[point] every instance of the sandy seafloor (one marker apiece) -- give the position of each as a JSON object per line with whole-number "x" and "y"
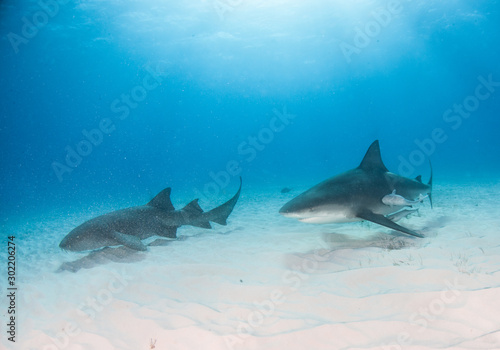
{"x": 268, "y": 282}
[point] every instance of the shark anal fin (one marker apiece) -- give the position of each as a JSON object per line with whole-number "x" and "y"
{"x": 382, "y": 220}
{"x": 129, "y": 241}
{"x": 162, "y": 200}
{"x": 202, "y": 224}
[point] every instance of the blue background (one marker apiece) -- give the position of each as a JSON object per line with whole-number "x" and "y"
{"x": 222, "y": 77}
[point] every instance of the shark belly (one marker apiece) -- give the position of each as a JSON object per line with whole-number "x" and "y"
{"x": 330, "y": 218}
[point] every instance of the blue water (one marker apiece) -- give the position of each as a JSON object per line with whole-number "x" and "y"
{"x": 194, "y": 94}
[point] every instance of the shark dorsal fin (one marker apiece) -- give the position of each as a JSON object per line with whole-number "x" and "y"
{"x": 419, "y": 178}
{"x": 373, "y": 159}
{"x": 193, "y": 208}
{"x": 162, "y": 200}
{"x": 193, "y": 212}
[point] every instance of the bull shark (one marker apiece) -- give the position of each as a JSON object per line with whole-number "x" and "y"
{"x": 127, "y": 227}
{"x": 357, "y": 195}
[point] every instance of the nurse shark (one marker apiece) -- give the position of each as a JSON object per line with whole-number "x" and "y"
{"x": 358, "y": 194}
{"x": 127, "y": 227}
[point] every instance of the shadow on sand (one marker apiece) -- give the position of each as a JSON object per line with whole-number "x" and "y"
{"x": 335, "y": 247}
{"x": 107, "y": 255}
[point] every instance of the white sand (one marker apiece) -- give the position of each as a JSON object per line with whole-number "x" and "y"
{"x": 268, "y": 282}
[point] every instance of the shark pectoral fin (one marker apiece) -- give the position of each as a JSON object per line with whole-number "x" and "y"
{"x": 129, "y": 241}
{"x": 382, "y": 220}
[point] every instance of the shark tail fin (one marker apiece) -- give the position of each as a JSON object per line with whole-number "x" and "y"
{"x": 430, "y": 184}
{"x": 220, "y": 214}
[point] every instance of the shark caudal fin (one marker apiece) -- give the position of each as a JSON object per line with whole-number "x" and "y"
{"x": 430, "y": 184}
{"x": 220, "y": 214}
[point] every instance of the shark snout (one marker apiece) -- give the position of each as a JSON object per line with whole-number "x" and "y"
{"x": 313, "y": 210}
{"x": 290, "y": 214}
{"x": 286, "y": 210}
{"x": 74, "y": 241}
{"x": 65, "y": 244}
{"x": 296, "y": 210}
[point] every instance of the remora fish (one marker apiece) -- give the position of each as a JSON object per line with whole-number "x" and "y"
{"x": 394, "y": 199}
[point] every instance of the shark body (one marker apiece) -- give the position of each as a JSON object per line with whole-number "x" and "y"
{"x": 357, "y": 195}
{"x": 129, "y": 226}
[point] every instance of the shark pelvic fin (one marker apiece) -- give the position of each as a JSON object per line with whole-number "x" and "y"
{"x": 382, "y": 220}
{"x": 162, "y": 200}
{"x": 131, "y": 242}
{"x": 373, "y": 159}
